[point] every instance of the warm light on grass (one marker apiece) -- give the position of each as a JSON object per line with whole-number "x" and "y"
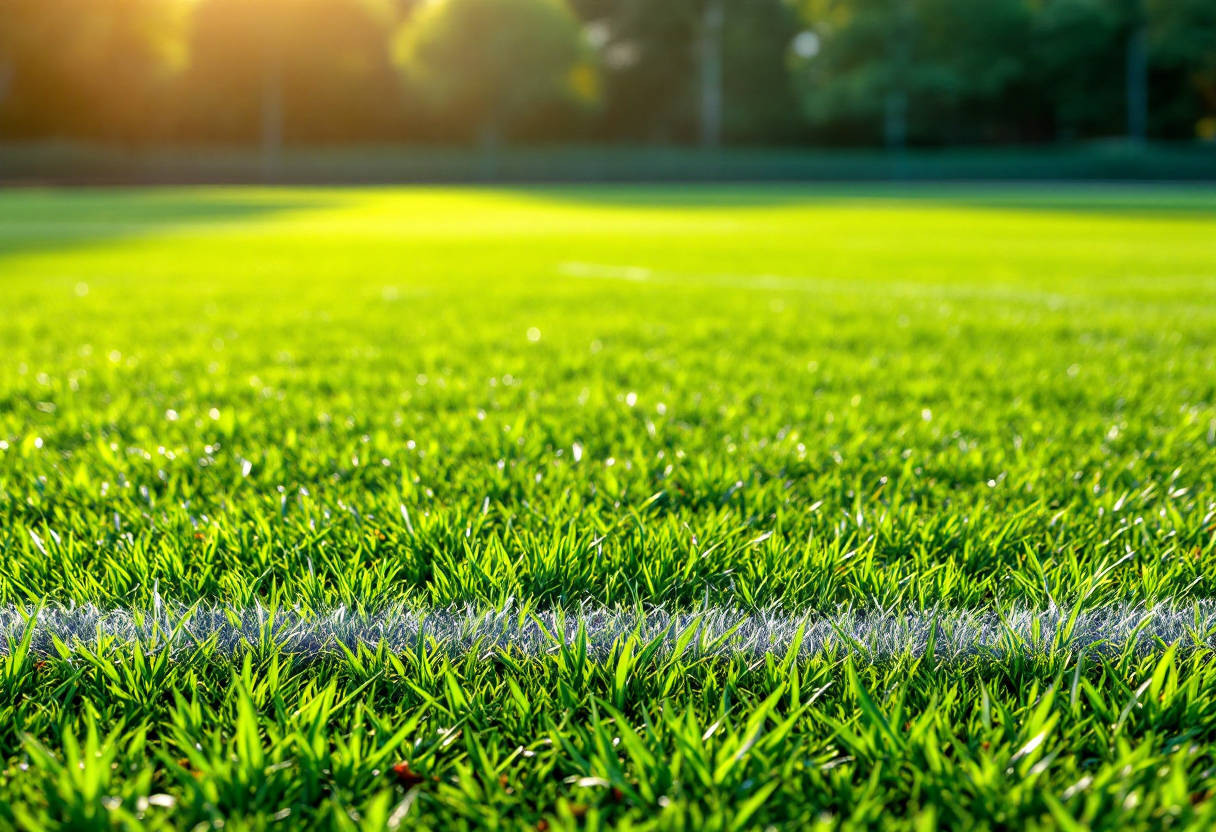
{"x": 898, "y": 435}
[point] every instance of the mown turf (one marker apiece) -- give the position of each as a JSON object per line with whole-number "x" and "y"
{"x": 964, "y": 398}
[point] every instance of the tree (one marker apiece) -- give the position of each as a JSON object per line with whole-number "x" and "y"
{"x": 490, "y": 66}
{"x": 921, "y": 70}
{"x": 673, "y": 68}
{"x": 1000, "y": 70}
{"x": 88, "y": 68}
{"x": 1080, "y": 57}
{"x": 1182, "y": 51}
{"x": 650, "y": 56}
{"x": 295, "y": 71}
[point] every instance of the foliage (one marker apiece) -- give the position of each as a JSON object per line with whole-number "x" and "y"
{"x": 959, "y": 66}
{"x": 1182, "y": 45}
{"x": 650, "y": 57}
{"x": 1079, "y": 56}
{"x": 93, "y": 68}
{"x": 963, "y": 398}
{"x": 326, "y": 61}
{"x": 943, "y": 71}
{"x": 1000, "y": 70}
{"x": 493, "y": 64}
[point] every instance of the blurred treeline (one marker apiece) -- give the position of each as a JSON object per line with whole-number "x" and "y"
{"x": 847, "y": 72}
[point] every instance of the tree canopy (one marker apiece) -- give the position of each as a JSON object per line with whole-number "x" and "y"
{"x": 851, "y": 72}
{"x": 491, "y": 65}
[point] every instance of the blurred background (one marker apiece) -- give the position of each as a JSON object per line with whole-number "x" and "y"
{"x": 267, "y": 77}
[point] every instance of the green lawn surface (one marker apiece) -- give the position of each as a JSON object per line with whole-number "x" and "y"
{"x": 965, "y": 397}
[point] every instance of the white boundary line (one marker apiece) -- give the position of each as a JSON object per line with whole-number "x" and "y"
{"x": 870, "y": 634}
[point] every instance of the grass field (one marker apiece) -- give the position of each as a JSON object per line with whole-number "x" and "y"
{"x": 674, "y": 508}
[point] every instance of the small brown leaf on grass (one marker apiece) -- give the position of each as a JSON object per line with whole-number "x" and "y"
{"x": 542, "y": 826}
{"x": 405, "y": 776}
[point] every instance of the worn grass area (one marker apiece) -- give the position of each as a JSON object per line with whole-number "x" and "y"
{"x": 799, "y": 404}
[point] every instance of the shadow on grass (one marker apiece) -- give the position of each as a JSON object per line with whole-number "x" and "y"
{"x": 52, "y": 219}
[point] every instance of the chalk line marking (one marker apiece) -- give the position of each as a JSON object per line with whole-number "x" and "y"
{"x": 872, "y": 634}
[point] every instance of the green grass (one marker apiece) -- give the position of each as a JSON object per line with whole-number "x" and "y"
{"x": 976, "y": 398}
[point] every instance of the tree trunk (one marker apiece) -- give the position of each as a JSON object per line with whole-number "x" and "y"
{"x": 895, "y": 121}
{"x": 711, "y": 72}
{"x": 488, "y": 139}
{"x": 895, "y": 117}
{"x": 272, "y": 109}
{"x": 6, "y": 80}
{"x": 1137, "y": 77}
